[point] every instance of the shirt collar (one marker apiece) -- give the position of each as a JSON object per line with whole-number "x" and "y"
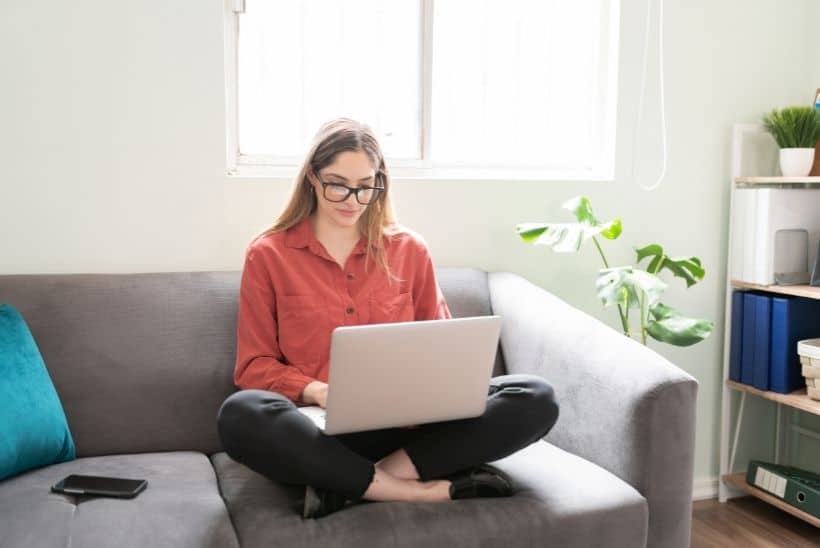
{"x": 299, "y": 235}
{"x": 302, "y": 235}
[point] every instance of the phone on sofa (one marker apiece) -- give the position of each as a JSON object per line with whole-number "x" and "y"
{"x": 104, "y": 486}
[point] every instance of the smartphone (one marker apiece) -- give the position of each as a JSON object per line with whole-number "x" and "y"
{"x": 103, "y": 486}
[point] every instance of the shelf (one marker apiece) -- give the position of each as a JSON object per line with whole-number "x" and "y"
{"x": 766, "y": 180}
{"x": 812, "y": 292}
{"x": 738, "y": 481}
{"x": 798, "y": 399}
{"x": 777, "y": 182}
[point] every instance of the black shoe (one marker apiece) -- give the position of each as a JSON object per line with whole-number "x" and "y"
{"x": 321, "y": 502}
{"x": 480, "y": 481}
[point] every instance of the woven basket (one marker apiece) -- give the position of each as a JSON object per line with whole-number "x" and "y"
{"x": 809, "y": 351}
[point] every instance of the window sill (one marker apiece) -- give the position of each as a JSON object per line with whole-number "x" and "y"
{"x": 400, "y": 173}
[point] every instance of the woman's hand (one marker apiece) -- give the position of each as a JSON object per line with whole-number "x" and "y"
{"x": 315, "y": 393}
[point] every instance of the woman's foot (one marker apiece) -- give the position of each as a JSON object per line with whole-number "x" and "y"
{"x": 321, "y": 502}
{"x": 480, "y": 481}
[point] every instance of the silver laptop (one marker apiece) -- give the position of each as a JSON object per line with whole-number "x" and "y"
{"x": 406, "y": 373}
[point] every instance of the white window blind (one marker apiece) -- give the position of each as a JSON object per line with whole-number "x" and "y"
{"x": 500, "y": 85}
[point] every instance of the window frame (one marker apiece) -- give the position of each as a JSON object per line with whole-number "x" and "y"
{"x": 286, "y": 167}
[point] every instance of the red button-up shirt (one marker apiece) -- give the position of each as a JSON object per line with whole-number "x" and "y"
{"x": 293, "y": 294}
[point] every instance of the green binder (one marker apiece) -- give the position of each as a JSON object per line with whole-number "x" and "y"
{"x": 799, "y": 488}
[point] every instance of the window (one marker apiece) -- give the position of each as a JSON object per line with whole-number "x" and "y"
{"x": 453, "y": 88}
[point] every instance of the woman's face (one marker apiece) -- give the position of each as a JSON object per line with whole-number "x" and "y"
{"x": 350, "y": 168}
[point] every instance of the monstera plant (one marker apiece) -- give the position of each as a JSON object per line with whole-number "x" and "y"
{"x": 628, "y": 287}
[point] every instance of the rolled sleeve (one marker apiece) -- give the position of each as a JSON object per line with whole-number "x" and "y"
{"x": 259, "y": 361}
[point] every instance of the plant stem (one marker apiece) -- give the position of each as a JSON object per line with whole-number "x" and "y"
{"x": 600, "y": 251}
{"x": 643, "y": 318}
{"x": 645, "y": 313}
{"x": 624, "y": 319}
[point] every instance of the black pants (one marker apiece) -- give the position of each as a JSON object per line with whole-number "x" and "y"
{"x": 265, "y": 431}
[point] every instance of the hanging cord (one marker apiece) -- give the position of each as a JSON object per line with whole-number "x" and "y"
{"x": 643, "y": 88}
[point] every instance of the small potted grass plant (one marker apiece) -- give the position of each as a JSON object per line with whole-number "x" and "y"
{"x": 796, "y": 131}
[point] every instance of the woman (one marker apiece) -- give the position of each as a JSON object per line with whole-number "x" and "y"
{"x": 337, "y": 257}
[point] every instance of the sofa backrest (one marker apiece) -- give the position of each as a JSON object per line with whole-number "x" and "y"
{"x": 142, "y": 362}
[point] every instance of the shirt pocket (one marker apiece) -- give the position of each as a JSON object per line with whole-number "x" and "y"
{"x": 391, "y": 307}
{"x": 301, "y": 321}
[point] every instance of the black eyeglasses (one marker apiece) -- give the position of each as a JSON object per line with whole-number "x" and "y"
{"x": 337, "y": 192}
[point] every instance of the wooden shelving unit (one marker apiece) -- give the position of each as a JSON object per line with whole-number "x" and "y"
{"x": 777, "y": 182}
{"x": 796, "y": 290}
{"x": 796, "y": 401}
{"x": 738, "y": 481}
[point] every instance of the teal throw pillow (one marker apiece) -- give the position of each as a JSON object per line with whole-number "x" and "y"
{"x": 33, "y": 428}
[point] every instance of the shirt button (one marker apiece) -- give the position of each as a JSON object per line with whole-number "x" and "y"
{"x": 349, "y": 275}
{"x": 350, "y": 310}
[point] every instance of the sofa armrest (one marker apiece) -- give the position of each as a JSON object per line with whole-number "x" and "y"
{"x": 622, "y": 406}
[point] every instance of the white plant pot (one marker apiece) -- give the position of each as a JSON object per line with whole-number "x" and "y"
{"x": 796, "y": 162}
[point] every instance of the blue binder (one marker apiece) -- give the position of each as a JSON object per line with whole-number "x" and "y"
{"x": 793, "y": 319}
{"x": 736, "y": 346}
{"x": 747, "y": 354}
{"x": 762, "y": 359}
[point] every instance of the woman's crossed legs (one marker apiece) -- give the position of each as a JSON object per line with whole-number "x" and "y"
{"x": 266, "y": 432}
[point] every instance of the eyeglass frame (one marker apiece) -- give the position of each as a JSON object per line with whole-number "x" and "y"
{"x": 351, "y": 190}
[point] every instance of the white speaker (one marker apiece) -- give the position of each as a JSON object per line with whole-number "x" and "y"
{"x": 791, "y": 256}
{"x": 759, "y": 213}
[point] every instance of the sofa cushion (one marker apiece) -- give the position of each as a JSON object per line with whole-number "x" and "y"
{"x": 561, "y": 500}
{"x": 34, "y": 432}
{"x": 181, "y": 506}
{"x": 127, "y": 352}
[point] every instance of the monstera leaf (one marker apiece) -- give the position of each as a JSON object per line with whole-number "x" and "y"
{"x": 566, "y": 237}
{"x": 688, "y": 268}
{"x": 669, "y": 326}
{"x": 627, "y": 287}
{"x": 624, "y": 285}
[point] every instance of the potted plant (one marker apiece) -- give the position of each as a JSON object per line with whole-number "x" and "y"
{"x": 796, "y": 131}
{"x": 628, "y": 287}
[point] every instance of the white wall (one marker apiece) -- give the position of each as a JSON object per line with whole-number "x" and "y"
{"x": 112, "y": 134}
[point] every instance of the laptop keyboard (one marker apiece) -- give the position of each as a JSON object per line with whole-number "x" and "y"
{"x": 314, "y": 413}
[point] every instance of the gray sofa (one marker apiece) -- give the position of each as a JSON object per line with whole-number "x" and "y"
{"x": 142, "y": 362}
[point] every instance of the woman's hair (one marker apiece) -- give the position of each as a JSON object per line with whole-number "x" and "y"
{"x": 378, "y": 220}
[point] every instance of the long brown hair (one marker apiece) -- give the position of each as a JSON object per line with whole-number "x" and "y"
{"x": 378, "y": 220}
